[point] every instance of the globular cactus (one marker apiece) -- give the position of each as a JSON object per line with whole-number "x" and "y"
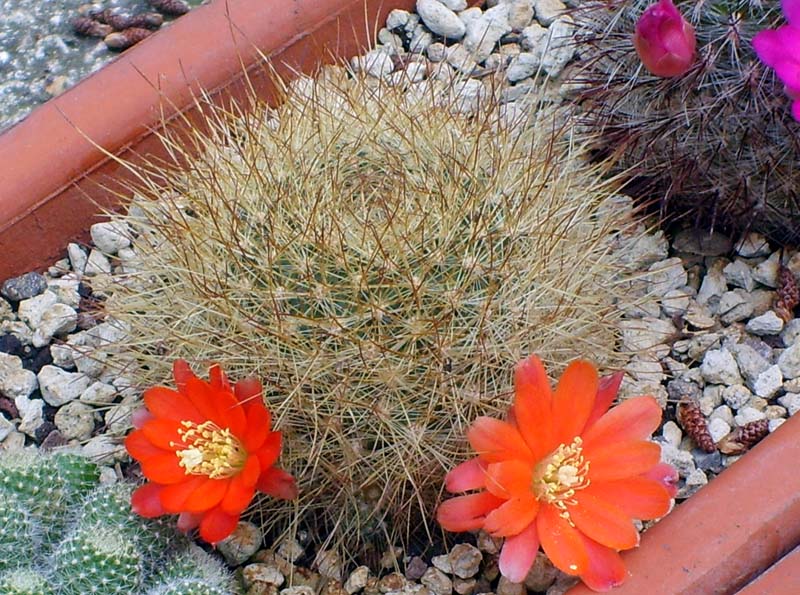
{"x": 716, "y": 146}
{"x": 381, "y": 264}
{"x": 86, "y": 539}
{"x": 192, "y": 572}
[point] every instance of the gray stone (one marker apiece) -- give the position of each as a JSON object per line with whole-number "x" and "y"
{"x": 241, "y": 544}
{"x": 20, "y": 330}
{"x": 263, "y": 574}
{"x": 397, "y": 19}
{"x": 680, "y": 388}
{"x": 646, "y": 334}
{"x": 665, "y": 276}
{"x": 329, "y": 564}
{"x": 442, "y": 562}
{"x": 791, "y": 330}
{"x": 541, "y": 575}
{"x": 645, "y": 368}
{"x": 718, "y": 428}
{"x": 676, "y": 301}
{"x": 436, "y": 52}
{"x": 440, "y": 19}
{"x": 520, "y": 14}
{"x": 75, "y": 420}
{"x": 483, "y": 33}
{"x": 30, "y": 413}
{"x": 59, "y": 386}
{"x": 460, "y": 59}
{"x": 547, "y": 11}
{"x": 59, "y": 319}
{"x": 522, "y": 66}
{"x": 111, "y": 236}
{"x": 751, "y": 363}
{"x": 437, "y": 581}
{"x": 506, "y": 587}
{"x": 719, "y": 367}
{"x": 739, "y": 273}
{"x": 701, "y": 242}
{"x": 752, "y": 245}
{"x": 699, "y": 316}
{"x": 97, "y": 264}
{"x": 6, "y": 313}
{"x": 682, "y": 460}
{"x": 357, "y": 580}
{"x": 766, "y": 272}
{"x": 713, "y": 285}
{"x": 455, "y": 5}
{"x": 23, "y": 287}
{"x": 747, "y": 415}
{"x": 15, "y": 381}
{"x": 789, "y": 361}
{"x": 769, "y": 382}
{"x": 791, "y": 401}
{"x": 774, "y": 424}
{"x": 724, "y": 413}
{"x": 671, "y": 433}
{"x": 638, "y": 388}
{"x": 637, "y": 251}
{"x": 711, "y": 398}
{"x": 99, "y": 393}
{"x": 708, "y": 461}
{"x": 736, "y": 396}
{"x": 376, "y": 63}
{"x": 694, "y": 481}
{"x": 766, "y": 324}
{"x": 465, "y": 560}
{"x": 561, "y": 45}
{"x": 734, "y": 306}
{"x": 77, "y": 258}
{"x": 759, "y": 403}
{"x": 119, "y": 418}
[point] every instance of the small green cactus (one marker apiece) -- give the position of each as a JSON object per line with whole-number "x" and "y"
{"x": 717, "y": 145}
{"x": 86, "y": 539}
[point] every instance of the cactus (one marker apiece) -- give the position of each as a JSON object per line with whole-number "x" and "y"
{"x": 93, "y": 543}
{"x": 381, "y": 263}
{"x": 716, "y": 146}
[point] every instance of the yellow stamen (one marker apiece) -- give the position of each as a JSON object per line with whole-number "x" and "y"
{"x": 209, "y": 450}
{"x": 561, "y": 474}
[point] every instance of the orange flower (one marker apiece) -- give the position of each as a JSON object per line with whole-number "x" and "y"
{"x": 563, "y": 473}
{"x": 206, "y": 448}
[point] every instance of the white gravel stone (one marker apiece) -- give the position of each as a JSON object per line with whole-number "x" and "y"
{"x": 376, "y": 63}
{"x": 752, "y": 245}
{"x": 329, "y": 564}
{"x": 30, "y": 413}
{"x": 646, "y": 334}
{"x": 547, "y": 11}
{"x": 241, "y": 544}
{"x": 99, "y": 393}
{"x": 534, "y": 39}
{"x": 442, "y": 562}
{"x": 397, "y": 19}
{"x": 711, "y": 398}
{"x": 437, "y": 581}
{"x": 459, "y": 58}
{"x": 465, "y": 560}
{"x": 60, "y": 387}
{"x": 522, "y": 66}
{"x": 769, "y": 382}
{"x": 520, "y": 13}
{"x": 645, "y": 368}
{"x": 766, "y": 324}
{"x": 455, "y": 5}
{"x": 791, "y": 401}
{"x": 440, "y": 19}
{"x": 672, "y": 433}
{"x": 751, "y": 363}
{"x": 676, "y": 301}
{"x": 31, "y": 310}
{"x": 6, "y": 313}
{"x": 15, "y": 381}
{"x": 739, "y": 273}
{"x": 724, "y": 413}
{"x": 774, "y": 424}
{"x": 59, "y": 319}
{"x": 357, "y": 580}
{"x": 6, "y": 427}
{"x": 789, "y": 361}
{"x": 748, "y": 414}
{"x": 119, "y": 418}
{"x": 77, "y": 258}
{"x": 718, "y": 428}
{"x": 261, "y": 574}
{"x": 734, "y": 306}
{"x": 682, "y": 460}
{"x": 483, "y": 33}
{"x": 97, "y": 264}
{"x": 665, "y": 276}
{"x": 75, "y": 420}
{"x": 713, "y": 285}
{"x": 66, "y": 290}
{"x": 791, "y": 331}
{"x": 736, "y": 396}
{"x": 699, "y": 316}
{"x": 14, "y": 442}
{"x": 719, "y": 367}
{"x": 766, "y": 272}
{"x": 561, "y": 46}
{"x": 111, "y": 236}
{"x": 694, "y": 481}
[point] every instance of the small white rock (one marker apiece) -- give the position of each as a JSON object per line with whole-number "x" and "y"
{"x": 97, "y": 263}
{"x": 789, "y": 361}
{"x": 718, "y": 429}
{"x": 77, "y": 258}
{"x": 241, "y": 544}
{"x": 547, "y": 11}
{"x": 357, "y": 580}
{"x": 748, "y": 414}
{"x": 736, "y": 396}
{"x": 739, "y": 274}
{"x": 766, "y": 324}
{"x": 672, "y": 433}
{"x": 15, "y": 381}
{"x": 791, "y": 401}
{"x": 99, "y": 393}
{"x": 111, "y": 236}
{"x": 104, "y": 450}
{"x": 752, "y": 245}
{"x": 440, "y": 19}
{"x": 724, "y": 413}
{"x": 769, "y": 382}
{"x": 75, "y": 420}
{"x": 30, "y": 413}
{"x": 774, "y": 424}
{"x": 719, "y": 367}
{"x": 59, "y": 386}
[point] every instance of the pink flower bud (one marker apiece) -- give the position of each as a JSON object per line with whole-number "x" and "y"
{"x": 664, "y": 40}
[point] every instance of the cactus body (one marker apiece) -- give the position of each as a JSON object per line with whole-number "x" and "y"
{"x": 716, "y": 146}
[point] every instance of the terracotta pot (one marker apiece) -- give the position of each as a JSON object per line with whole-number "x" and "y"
{"x": 783, "y": 578}
{"x": 728, "y": 532}
{"x": 59, "y": 167}
{"x": 53, "y": 177}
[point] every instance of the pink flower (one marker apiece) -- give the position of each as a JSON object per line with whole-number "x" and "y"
{"x": 664, "y": 40}
{"x": 780, "y": 49}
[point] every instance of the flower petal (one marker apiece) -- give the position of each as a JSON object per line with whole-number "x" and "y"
{"x": 145, "y": 501}
{"x": 605, "y": 570}
{"x": 533, "y": 405}
{"x": 258, "y": 423}
{"x": 241, "y": 488}
{"x": 163, "y": 468}
{"x": 496, "y": 440}
{"x": 207, "y": 495}
{"x": 562, "y": 543}
{"x": 638, "y": 497}
{"x": 277, "y": 483}
{"x": 218, "y": 379}
{"x": 174, "y": 496}
{"x": 513, "y": 516}
{"x": 217, "y": 525}
{"x": 270, "y": 451}
{"x": 666, "y": 475}
{"x": 607, "y": 390}
{"x": 162, "y": 433}
{"x": 140, "y": 448}
{"x": 622, "y": 459}
{"x": 170, "y": 404}
{"x": 603, "y": 522}
{"x": 466, "y": 513}
{"x": 219, "y": 406}
{"x": 518, "y": 554}
{"x": 573, "y": 400}
{"x": 507, "y": 479}
{"x": 188, "y": 521}
{"x": 634, "y": 419}
{"x": 791, "y": 9}
{"x": 469, "y": 475}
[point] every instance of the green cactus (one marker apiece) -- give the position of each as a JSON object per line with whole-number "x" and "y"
{"x": 381, "y": 263}
{"x": 94, "y": 543}
{"x": 716, "y": 146}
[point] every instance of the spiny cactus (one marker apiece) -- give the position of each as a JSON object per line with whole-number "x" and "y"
{"x": 87, "y": 540}
{"x": 717, "y": 145}
{"x": 381, "y": 264}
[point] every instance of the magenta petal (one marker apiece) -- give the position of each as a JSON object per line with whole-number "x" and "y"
{"x": 140, "y": 417}
{"x": 791, "y": 9}
{"x": 767, "y": 45}
{"x": 469, "y": 475}
{"x": 519, "y": 553}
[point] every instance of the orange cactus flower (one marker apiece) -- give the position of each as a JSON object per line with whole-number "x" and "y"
{"x": 206, "y": 448}
{"x": 563, "y": 472}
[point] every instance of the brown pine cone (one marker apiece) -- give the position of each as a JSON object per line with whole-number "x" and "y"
{"x": 744, "y": 437}
{"x": 170, "y": 7}
{"x": 122, "y": 40}
{"x": 788, "y": 294}
{"x": 90, "y": 28}
{"x": 146, "y": 20}
{"x": 694, "y": 423}
{"x": 121, "y": 21}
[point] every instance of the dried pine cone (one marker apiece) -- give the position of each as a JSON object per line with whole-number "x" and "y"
{"x": 744, "y": 437}
{"x": 146, "y": 20}
{"x": 170, "y": 7}
{"x": 122, "y": 40}
{"x": 90, "y": 28}
{"x": 121, "y": 21}
{"x": 694, "y": 423}
{"x": 788, "y": 294}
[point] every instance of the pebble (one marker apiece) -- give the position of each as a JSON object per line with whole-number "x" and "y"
{"x": 718, "y": 428}
{"x": 60, "y": 387}
{"x": 15, "y": 381}
{"x": 694, "y": 481}
{"x": 110, "y": 236}
{"x": 262, "y": 574}
{"x": 75, "y": 420}
{"x": 748, "y": 414}
{"x": 77, "y": 258}
{"x": 440, "y": 19}
{"x": 671, "y": 433}
{"x": 789, "y": 361}
{"x": 23, "y": 287}
{"x": 736, "y": 395}
{"x": 766, "y": 324}
{"x": 329, "y": 564}
{"x": 357, "y": 580}
{"x": 542, "y": 574}
{"x": 97, "y": 263}
{"x": 719, "y": 367}
{"x": 104, "y": 450}
{"x": 465, "y": 559}
{"x": 31, "y": 413}
{"x": 734, "y": 306}
{"x": 739, "y": 274}
{"x": 484, "y": 32}
{"x": 791, "y": 330}
{"x": 791, "y": 401}
{"x": 437, "y": 581}
{"x": 752, "y": 245}
{"x": 647, "y": 334}
{"x": 241, "y": 544}
{"x": 561, "y": 47}
{"x": 665, "y": 276}
{"x": 769, "y": 382}
{"x": 506, "y": 587}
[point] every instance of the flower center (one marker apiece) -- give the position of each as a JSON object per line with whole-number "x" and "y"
{"x": 209, "y": 450}
{"x": 557, "y": 477}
